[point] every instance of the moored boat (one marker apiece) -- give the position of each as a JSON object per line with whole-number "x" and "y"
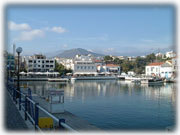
{"x": 152, "y": 81}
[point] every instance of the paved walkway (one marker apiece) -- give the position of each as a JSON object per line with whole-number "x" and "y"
{"x": 13, "y": 119}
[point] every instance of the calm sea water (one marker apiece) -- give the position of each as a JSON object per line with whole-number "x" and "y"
{"x": 117, "y": 105}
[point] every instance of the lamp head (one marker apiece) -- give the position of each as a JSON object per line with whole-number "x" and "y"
{"x": 19, "y": 50}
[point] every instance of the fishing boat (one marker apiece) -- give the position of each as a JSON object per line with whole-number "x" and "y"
{"x": 152, "y": 81}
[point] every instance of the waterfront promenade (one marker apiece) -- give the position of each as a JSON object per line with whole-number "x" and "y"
{"x": 13, "y": 119}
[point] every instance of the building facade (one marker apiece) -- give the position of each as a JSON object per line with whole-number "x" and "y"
{"x": 39, "y": 63}
{"x": 84, "y": 65}
{"x": 170, "y": 54}
{"x": 160, "y": 69}
{"x": 166, "y": 70}
{"x": 153, "y": 69}
{"x": 10, "y": 63}
{"x": 109, "y": 68}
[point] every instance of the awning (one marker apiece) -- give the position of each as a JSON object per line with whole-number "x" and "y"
{"x": 85, "y": 73}
{"x": 22, "y": 73}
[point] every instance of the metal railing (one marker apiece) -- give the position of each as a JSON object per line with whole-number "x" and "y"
{"x": 31, "y": 108}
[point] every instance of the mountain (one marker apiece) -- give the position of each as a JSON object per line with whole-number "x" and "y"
{"x": 52, "y": 54}
{"x": 73, "y": 52}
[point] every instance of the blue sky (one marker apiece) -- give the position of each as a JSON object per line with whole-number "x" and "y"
{"x": 115, "y": 30}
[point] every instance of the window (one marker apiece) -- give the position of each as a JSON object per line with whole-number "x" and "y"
{"x": 77, "y": 67}
{"x": 39, "y": 61}
{"x": 34, "y": 61}
{"x": 162, "y": 72}
{"x": 92, "y": 67}
{"x": 51, "y": 65}
{"x": 47, "y": 65}
{"x": 170, "y": 72}
{"x": 43, "y": 61}
{"x": 81, "y": 67}
{"x": 38, "y": 65}
{"x": 152, "y": 69}
{"x": 51, "y": 61}
{"x": 47, "y": 61}
{"x": 85, "y": 67}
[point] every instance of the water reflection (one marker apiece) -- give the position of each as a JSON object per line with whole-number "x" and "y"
{"x": 115, "y": 104}
{"x": 94, "y": 89}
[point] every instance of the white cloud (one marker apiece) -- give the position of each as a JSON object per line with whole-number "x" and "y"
{"x": 29, "y": 35}
{"x": 23, "y": 26}
{"x": 58, "y": 29}
{"x": 55, "y": 29}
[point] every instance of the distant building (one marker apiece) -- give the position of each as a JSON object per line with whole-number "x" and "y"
{"x": 39, "y": 63}
{"x": 166, "y": 70}
{"x": 10, "y": 63}
{"x": 67, "y": 63}
{"x": 84, "y": 65}
{"x": 109, "y": 69}
{"x": 160, "y": 69}
{"x": 98, "y": 62}
{"x": 175, "y": 65}
{"x": 122, "y": 57}
{"x": 170, "y": 54}
{"x": 153, "y": 69}
{"x": 131, "y": 58}
{"x": 158, "y": 54}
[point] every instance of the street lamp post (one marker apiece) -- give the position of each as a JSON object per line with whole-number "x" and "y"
{"x": 18, "y": 95}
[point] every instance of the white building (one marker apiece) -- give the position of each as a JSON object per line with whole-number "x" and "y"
{"x": 39, "y": 63}
{"x": 153, "y": 69}
{"x": 160, "y": 69}
{"x": 166, "y": 70}
{"x": 109, "y": 68}
{"x": 84, "y": 65}
{"x": 174, "y": 64}
{"x": 170, "y": 54}
{"x": 158, "y": 54}
{"x": 67, "y": 63}
{"x": 132, "y": 58}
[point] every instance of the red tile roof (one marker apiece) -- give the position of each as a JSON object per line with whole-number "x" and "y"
{"x": 98, "y": 61}
{"x": 111, "y": 65}
{"x": 156, "y": 64}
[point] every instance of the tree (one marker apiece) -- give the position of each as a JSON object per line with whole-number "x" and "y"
{"x": 61, "y": 69}
{"x": 150, "y": 58}
{"x": 108, "y": 58}
{"x": 118, "y": 61}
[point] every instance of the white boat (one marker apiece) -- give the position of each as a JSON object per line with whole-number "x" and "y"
{"x": 73, "y": 78}
{"x": 152, "y": 81}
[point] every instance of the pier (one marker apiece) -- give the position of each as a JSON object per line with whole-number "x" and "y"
{"x": 13, "y": 121}
{"x": 32, "y": 108}
{"x": 43, "y": 79}
{"x": 72, "y": 120}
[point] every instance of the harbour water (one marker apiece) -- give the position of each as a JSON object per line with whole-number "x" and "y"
{"x": 115, "y": 104}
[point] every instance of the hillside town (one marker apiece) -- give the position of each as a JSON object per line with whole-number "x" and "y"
{"x": 153, "y": 65}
